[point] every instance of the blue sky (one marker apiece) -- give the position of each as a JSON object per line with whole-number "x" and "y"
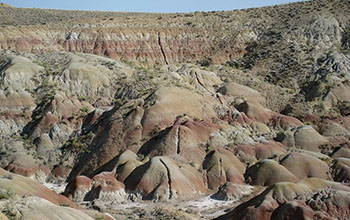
{"x": 145, "y": 5}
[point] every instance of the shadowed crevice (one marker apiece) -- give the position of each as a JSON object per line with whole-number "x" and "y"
{"x": 169, "y": 178}
{"x": 178, "y": 149}
{"x": 161, "y": 49}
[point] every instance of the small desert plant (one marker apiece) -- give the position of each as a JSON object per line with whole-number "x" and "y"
{"x": 208, "y": 148}
{"x": 206, "y": 62}
{"x": 309, "y": 123}
{"x": 102, "y": 217}
{"x": 341, "y": 49}
{"x": 6, "y": 194}
{"x": 118, "y": 102}
{"x": 84, "y": 111}
{"x": 82, "y": 98}
{"x": 9, "y": 212}
{"x": 5, "y": 113}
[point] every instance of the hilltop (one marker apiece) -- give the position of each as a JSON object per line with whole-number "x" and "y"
{"x": 5, "y": 5}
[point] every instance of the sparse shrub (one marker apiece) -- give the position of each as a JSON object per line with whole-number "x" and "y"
{"x": 5, "y": 113}
{"x": 102, "y": 217}
{"x": 76, "y": 143}
{"x": 48, "y": 71}
{"x": 6, "y": 194}
{"x": 341, "y": 49}
{"x": 45, "y": 83}
{"x": 344, "y": 108}
{"x": 118, "y": 102}
{"x": 206, "y": 62}
{"x": 9, "y": 212}
{"x": 208, "y": 148}
{"x": 82, "y": 98}
{"x": 69, "y": 166}
{"x": 234, "y": 64}
{"x": 309, "y": 123}
{"x": 84, "y": 111}
{"x": 180, "y": 116}
{"x": 90, "y": 135}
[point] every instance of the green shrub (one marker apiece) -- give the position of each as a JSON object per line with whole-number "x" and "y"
{"x": 102, "y": 217}
{"x": 6, "y": 194}
{"x": 84, "y": 111}
{"x": 82, "y": 98}
{"x": 118, "y": 102}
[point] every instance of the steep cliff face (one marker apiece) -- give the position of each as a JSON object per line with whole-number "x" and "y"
{"x": 156, "y": 38}
{"x": 162, "y": 46}
{"x": 171, "y": 38}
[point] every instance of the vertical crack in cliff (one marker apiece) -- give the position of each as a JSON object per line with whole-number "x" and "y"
{"x": 161, "y": 49}
{"x": 169, "y": 178}
{"x": 220, "y": 168}
{"x": 178, "y": 150}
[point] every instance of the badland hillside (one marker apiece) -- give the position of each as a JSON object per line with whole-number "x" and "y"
{"x": 239, "y": 114}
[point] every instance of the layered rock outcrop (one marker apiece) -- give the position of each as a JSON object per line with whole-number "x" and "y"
{"x": 250, "y": 106}
{"x": 163, "y": 178}
{"x": 279, "y": 201}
